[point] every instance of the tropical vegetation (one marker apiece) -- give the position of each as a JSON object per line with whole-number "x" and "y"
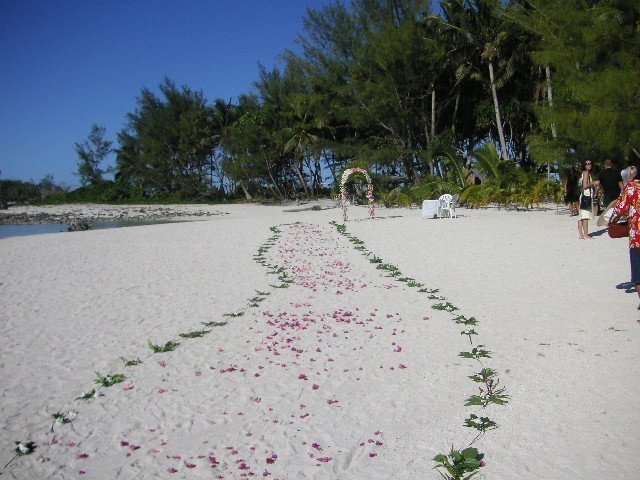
{"x": 491, "y": 99}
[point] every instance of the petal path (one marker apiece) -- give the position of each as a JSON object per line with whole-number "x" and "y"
{"x": 335, "y": 376}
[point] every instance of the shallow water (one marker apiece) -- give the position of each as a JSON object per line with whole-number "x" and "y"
{"x": 24, "y": 230}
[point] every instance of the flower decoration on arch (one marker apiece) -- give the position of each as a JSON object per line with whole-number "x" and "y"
{"x": 343, "y": 191}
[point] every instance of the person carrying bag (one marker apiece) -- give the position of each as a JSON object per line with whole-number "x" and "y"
{"x": 586, "y": 201}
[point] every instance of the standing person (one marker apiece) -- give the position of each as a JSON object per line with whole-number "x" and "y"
{"x": 586, "y": 201}
{"x": 629, "y": 204}
{"x": 571, "y": 191}
{"x": 610, "y": 183}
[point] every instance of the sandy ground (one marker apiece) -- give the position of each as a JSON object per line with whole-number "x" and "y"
{"x": 347, "y": 373}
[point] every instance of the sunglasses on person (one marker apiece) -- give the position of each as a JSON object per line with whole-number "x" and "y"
{"x": 588, "y": 163}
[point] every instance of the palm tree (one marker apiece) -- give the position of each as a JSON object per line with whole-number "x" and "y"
{"x": 482, "y": 36}
{"x": 298, "y": 138}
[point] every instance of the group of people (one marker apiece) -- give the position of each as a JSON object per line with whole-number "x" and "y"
{"x": 621, "y": 196}
{"x": 586, "y": 196}
{"x": 609, "y": 186}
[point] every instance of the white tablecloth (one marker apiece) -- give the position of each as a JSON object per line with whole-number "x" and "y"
{"x": 430, "y": 208}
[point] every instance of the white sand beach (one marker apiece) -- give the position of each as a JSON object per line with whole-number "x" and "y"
{"x": 343, "y": 373}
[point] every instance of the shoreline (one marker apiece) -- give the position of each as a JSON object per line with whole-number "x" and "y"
{"x": 94, "y": 213}
{"x": 98, "y": 212}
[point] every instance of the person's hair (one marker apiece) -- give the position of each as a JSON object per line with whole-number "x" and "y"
{"x": 629, "y": 174}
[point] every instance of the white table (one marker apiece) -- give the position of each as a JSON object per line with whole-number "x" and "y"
{"x": 430, "y": 208}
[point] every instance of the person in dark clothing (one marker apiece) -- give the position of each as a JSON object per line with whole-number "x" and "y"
{"x": 571, "y": 191}
{"x": 610, "y": 183}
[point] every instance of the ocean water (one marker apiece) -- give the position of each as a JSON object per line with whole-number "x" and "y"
{"x": 24, "y": 230}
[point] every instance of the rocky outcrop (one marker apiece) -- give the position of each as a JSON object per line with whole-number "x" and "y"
{"x": 91, "y": 214}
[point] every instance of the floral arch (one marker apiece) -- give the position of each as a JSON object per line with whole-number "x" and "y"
{"x": 343, "y": 191}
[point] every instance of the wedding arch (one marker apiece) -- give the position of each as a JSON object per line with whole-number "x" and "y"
{"x": 343, "y": 191}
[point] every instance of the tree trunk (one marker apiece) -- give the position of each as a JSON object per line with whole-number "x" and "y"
{"x": 547, "y": 69}
{"x": 455, "y": 109}
{"x": 245, "y": 189}
{"x": 275, "y": 184}
{"x": 301, "y": 177}
{"x": 494, "y": 93}
{"x": 317, "y": 174}
{"x": 433, "y": 111}
{"x": 311, "y": 174}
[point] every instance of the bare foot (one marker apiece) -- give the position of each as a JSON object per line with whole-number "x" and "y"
{"x": 588, "y": 237}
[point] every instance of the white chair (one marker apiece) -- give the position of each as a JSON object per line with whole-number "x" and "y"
{"x": 447, "y": 208}
{"x": 430, "y": 208}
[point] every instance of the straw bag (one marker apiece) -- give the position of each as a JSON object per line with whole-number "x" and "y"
{"x": 618, "y": 230}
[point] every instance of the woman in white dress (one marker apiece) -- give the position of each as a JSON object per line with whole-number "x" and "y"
{"x": 586, "y": 201}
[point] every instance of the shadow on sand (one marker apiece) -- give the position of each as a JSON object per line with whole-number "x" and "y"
{"x": 628, "y": 287}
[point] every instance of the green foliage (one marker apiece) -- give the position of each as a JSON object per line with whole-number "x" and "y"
{"x": 91, "y": 153}
{"x": 429, "y": 290}
{"x": 469, "y": 333}
{"x": 214, "y": 324}
{"x": 476, "y": 353}
{"x": 482, "y": 424}
{"x": 483, "y": 376}
{"x": 590, "y": 51}
{"x": 88, "y": 395}
{"x": 25, "y": 448}
{"x": 167, "y": 347}
{"x": 507, "y": 184}
{"x": 485, "y": 399}
{"x": 447, "y": 307}
{"x": 194, "y": 334}
{"x": 466, "y": 321}
{"x": 459, "y": 463}
{"x": 419, "y": 99}
{"x": 109, "y": 380}
{"x": 167, "y": 144}
{"x": 18, "y": 191}
{"x": 130, "y": 363}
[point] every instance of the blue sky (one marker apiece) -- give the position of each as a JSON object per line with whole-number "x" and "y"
{"x": 67, "y": 64}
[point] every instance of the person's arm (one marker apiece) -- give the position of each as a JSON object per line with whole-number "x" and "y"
{"x": 585, "y": 181}
{"x": 622, "y": 206}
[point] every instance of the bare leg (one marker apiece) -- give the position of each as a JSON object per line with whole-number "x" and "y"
{"x": 585, "y": 230}
{"x": 580, "y": 236}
